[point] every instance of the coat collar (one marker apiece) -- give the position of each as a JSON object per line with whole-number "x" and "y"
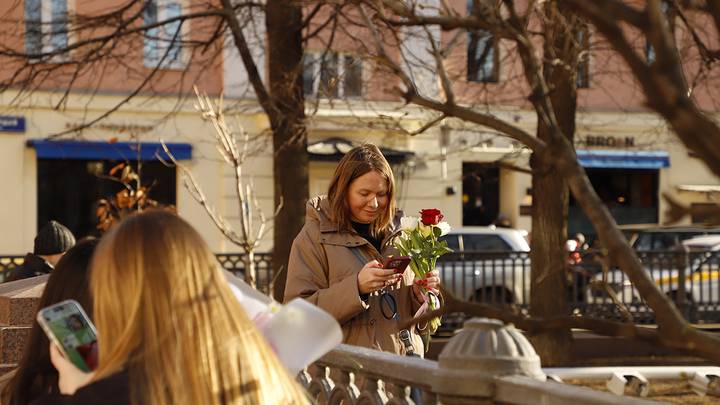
{"x": 318, "y": 209}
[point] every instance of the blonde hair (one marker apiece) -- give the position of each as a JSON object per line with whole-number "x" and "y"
{"x": 164, "y": 311}
{"x": 358, "y": 161}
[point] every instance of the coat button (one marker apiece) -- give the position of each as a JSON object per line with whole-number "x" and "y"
{"x": 372, "y": 322}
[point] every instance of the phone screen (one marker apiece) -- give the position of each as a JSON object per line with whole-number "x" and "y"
{"x": 399, "y": 263}
{"x": 72, "y": 330}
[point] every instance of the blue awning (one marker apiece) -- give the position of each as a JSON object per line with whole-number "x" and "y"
{"x": 615, "y": 159}
{"x": 86, "y": 150}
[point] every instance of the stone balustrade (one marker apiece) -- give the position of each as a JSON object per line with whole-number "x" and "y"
{"x": 486, "y": 362}
{"x": 18, "y": 306}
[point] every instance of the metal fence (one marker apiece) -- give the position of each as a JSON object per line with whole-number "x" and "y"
{"x": 690, "y": 279}
{"x": 502, "y": 278}
{"x": 232, "y": 262}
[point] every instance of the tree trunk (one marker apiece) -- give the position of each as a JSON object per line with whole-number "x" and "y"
{"x": 548, "y": 289}
{"x": 290, "y": 161}
{"x": 548, "y": 297}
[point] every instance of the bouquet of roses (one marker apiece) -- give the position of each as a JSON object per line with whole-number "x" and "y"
{"x": 419, "y": 239}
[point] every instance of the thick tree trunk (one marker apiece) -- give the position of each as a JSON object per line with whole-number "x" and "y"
{"x": 548, "y": 297}
{"x": 290, "y": 163}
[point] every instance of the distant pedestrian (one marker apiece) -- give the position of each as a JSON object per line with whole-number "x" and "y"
{"x": 51, "y": 243}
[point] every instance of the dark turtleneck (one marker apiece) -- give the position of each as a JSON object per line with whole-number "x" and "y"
{"x": 364, "y": 231}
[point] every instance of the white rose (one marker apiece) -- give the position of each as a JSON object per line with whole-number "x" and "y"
{"x": 444, "y": 228}
{"x": 409, "y": 223}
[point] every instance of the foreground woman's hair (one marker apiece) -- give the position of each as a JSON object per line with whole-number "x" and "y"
{"x": 164, "y": 311}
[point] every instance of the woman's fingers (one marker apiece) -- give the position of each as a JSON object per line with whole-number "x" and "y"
{"x": 70, "y": 378}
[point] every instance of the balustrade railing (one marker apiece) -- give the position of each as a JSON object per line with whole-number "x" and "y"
{"x": 469, "y": 371}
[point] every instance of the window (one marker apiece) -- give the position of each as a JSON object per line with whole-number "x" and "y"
{"x": 163, "y": 43}
{"x": 482, "y": 57}
{"x": 583, "y": 68}
{"x": 484, "y": 243}
{"x": 452, "y": 241}
{"x": 481, "y": 193}
{"x": 649, "y": 50}
{"x": 482, "y": 54}
{"x": 332, "y": 75}
{"x": 45, "y": 26}
{"x": 649, "y": 53}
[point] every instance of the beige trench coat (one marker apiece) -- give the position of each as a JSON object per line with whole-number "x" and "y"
{"x": 323, "y": 268}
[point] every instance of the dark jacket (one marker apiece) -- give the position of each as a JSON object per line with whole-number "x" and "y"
{"x": 33, "y": 266}
{"x": 112, "y": 390}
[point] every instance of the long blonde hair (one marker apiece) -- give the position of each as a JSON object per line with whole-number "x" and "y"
{"x": 165, "y": 312}
{"x": 357, "y": 162}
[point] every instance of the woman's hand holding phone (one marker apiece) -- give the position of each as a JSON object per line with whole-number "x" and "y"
{"x": 373, "y": 277}
{"x": 70, "y": 378}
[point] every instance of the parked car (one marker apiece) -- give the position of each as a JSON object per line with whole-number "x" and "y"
{"x": 490, "y": 264}
{"x": 652, "y": 237}
{"x": 487, "y": 239}
{"x": 702, "y": 271}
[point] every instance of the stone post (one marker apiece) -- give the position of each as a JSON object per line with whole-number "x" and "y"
{"x": 482, "y": 350}
{"x": 18, "y": 306}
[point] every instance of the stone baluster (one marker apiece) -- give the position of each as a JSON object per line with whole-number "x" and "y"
{"x": 18, "y": 307}
{"x": 345, "y": 391}
{"x": 399, "y": 394}
{"x": 483, "y": 350}
{"x": 372, "y": 392}
{"x": 321, "y": 386}
{"x": 303, "y": 378}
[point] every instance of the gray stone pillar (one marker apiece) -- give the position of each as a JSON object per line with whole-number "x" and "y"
{"x": 482, "y": 350}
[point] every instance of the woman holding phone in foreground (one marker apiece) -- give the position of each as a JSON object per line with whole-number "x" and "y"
{"x": 170, "y": 331}
{"x": 336, "y": 259}
{"x": 35, "y": 376}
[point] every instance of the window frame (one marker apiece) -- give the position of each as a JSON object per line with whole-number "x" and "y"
{"x": 339, "y": 90}
{"x": 494, "y": 58}
{"x": 583, "y": 73}
{"x": 494, "y": 75}
{"x": 45, "y": 38}
{"x": 155, "y": 42}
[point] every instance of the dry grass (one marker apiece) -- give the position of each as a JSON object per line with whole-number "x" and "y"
{"x": 668, "y": 391}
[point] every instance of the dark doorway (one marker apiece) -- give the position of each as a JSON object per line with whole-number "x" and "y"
{"x": 68, "y": 190}
{"x": 481, "y": 193}
{"x": 631, "y": 195}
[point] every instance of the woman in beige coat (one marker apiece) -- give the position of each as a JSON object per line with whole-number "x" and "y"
{"x": 335, "y": 261}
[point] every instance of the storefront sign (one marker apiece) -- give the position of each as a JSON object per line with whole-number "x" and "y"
{"x": 119, "y": 128}
{"x": 12, "y": 123}
{"x": 610, "y": 141}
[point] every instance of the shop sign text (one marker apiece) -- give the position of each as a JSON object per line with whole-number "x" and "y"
{"x": 10, "y": 123}
{"x": 610, "y": 141}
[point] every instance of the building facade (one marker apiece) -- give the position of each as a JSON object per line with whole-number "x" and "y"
{"x": 468, "y": 172}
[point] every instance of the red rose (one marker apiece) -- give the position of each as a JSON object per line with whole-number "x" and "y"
{"x": 431, "y": 216}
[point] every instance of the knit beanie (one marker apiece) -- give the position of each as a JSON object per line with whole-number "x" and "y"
{"x": 53, "y": 238}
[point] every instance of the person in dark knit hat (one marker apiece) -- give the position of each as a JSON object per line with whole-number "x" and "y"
{"x": 51, "y": 242}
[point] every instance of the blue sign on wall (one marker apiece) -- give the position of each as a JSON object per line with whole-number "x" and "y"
{"x": 9, "y": 123}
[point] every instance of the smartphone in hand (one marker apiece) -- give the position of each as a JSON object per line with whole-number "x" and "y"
{"x": 397, "y": 263}
{"x": 68, "y": 326}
